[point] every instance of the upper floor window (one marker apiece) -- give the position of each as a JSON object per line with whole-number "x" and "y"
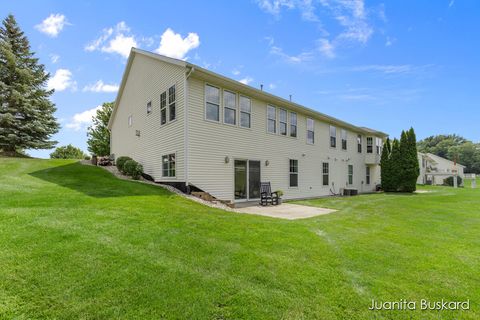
{"x": 293, "y": 173}
{"x": 245, "y": 112}
{"x": 369, "y": 145}
{"x": 325, "y": 173}
{"x": 149, "y": 107}
{"x": 293, "y": 124}
{"x": 130, "y": 120}
{"x": 310, "y": 131}
{"x": 230, "y": 107}
{"x": 272, "y": 119}
{"x": 282, "y": 119}
{"x": 333, "y": 137}
{"x": 350, "y": 174}
{"x": 163, "y": 108}
{"x": 359, "y": 143}
{"x": 171, "y": 103}
{"x": 168, "y": 165}
{"x": 212, "y": 100}
{"x": 344, "y": 139}
{"x": 378, "y": 146}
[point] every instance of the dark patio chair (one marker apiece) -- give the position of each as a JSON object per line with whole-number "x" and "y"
{"x": 266, "y": 194}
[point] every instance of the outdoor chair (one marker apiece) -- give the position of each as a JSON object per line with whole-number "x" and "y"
{"x": 266, "y": 194}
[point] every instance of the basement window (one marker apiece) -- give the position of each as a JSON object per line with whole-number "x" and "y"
{"x": 168, "y": 165}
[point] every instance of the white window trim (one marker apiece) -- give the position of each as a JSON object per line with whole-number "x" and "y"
{"x": 237, "y": 104}
{"x": 130, "y": 121}
{"x": 176, "y": 167}
{"x": 220, "y": 113}
{"x": 168, "y": 104}
{"x": 240, "y": 112}
{"x": 368, "y": 173}
{"x": 310, "y": 143}
{"x": 297, "y": 173}
{"x": 286, "y": 122}
{"x": 328, "y": 174}
{"x": 276, "y": 120}
{"x": 290, "y": 125}
{"x": 346, "y": 139}
{"x": 330, "y": 136}
{"x": 348, "y": 174}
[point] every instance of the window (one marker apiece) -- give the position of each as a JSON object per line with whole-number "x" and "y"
{"x": 350, "y": 174}
{"x": 149, "y": 107}
{"x": 230, "y": 107}
{"x": 367, "y": 175}
{"x": 272, "y": 119}
{"x": 212, "y": 99}
{"x": 163, "y": 108}
{"x": 369, "y": 145}
{"x": 378, "y": 143}
{"x": 293, "y": 173}
{"x": 168, "y": 165}
{"x": 293, "y": 124}
{"x": 344, "y": 139}
{"x": 333, "y": 137}
{"x": 130, "y": 121}
{"x": 171, "y": 103}
{"x": 325, "y": 173}
{"x": 310, "y": 131}
{"x": 245, "y": 112}
{"x": 282, "y": 119}
{"x": 359, "y": 143}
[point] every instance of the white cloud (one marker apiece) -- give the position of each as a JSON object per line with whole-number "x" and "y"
{"x": 272, "y": 86}
{"x": 235, "y": 72}
{"x": 80, "y": 121}
{"x": 100, "y": 86}
{"x": 246, "y": 80}
{"x": 117, "y": 39}
{"x": 326, "y": 48}
{"x": 388, "y": 69}
{"x": 173, "y": 45}
{"x": 52, "y": 25}
{"x": 302, "y": 57}
{"x": 62, "y": 80}
{"x": 54, "y": 58}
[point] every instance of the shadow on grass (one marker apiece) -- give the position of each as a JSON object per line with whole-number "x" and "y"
{"x": 95, "y": 182}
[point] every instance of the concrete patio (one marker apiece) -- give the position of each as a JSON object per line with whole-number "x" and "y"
{"x": 285, "y": 211}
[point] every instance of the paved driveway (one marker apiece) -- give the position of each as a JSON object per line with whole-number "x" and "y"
{"x": 286, "y": 211}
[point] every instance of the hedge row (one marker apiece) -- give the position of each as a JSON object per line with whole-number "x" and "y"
{"x": 128, "y": 166}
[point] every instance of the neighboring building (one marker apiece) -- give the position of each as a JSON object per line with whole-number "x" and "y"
{"x": 435, "y": 169}
{"x": 193, "y": 128}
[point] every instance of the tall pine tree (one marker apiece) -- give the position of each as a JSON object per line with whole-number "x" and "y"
{"x": 411, "y": 165}
{"x": 26, "y": 113}
{"x": 395, "y": 166}
{"x": 385, "y": 166}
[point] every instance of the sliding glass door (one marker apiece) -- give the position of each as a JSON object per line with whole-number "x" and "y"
{"x": 247, "y": 179}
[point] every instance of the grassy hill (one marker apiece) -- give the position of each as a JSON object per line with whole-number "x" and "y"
{"x": 75, "y": 242}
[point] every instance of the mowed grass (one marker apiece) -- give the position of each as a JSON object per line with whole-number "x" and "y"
{"x": 75, "y": 242}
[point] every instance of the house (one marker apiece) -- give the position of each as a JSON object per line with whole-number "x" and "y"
{"x": 435, "y": 169}
{"x": 197, "y": 130}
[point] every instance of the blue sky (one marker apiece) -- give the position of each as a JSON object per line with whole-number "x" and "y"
{"x": 387, "y": 65}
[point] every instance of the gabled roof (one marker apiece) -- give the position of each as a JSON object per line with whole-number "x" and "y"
{"x": 246, "y": 89}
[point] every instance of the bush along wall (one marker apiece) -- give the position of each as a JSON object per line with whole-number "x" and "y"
{"x": 399, "y": 163}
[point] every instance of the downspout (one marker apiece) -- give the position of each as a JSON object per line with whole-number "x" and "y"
{"x": 186, "y": 121}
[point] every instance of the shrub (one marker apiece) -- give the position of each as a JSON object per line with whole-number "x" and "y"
{"x": 87, "y": 157}
{"x": 120, "y": 162}
{"x": 104, "y": 161}
{"x": 449, "y": 181}
{"x": 133, "y": 169}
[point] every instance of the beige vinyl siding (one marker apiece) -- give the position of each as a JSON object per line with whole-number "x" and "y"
{"x": 209, "y": 143}
{"x": 147, "y": 79}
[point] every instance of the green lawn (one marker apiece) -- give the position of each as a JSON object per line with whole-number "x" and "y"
{"x": 75, "y": 242}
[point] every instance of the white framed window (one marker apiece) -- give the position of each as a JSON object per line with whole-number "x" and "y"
{"x": 293, "y": 173}
{"x": 168, "y": 165}
{"x": 310, "y": 131}
{"x": 293, "y": 124}
{"x": 333, "y": 137}
{"x": 282, "y": 120}
{"x": 229, "y": 107}
{"x": 212, "y": 103}
{"x": 130, "y": 120}
{"x": 245, "y": 112}
{"x": 378, "y": 145}
{"x": 359, "y": 143}
{"x": 149, "y": 107}
{"x": 172, "y": 111}
{"x": 367, "y": 174}
{"x": 344, "y": 139}
{"x": 163, "y": 108}
{"x": 325, "y": 173}
{"x": 369, "y": 145}
{"x": 350, "y": 174}
{"x": 271, "y": 119}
